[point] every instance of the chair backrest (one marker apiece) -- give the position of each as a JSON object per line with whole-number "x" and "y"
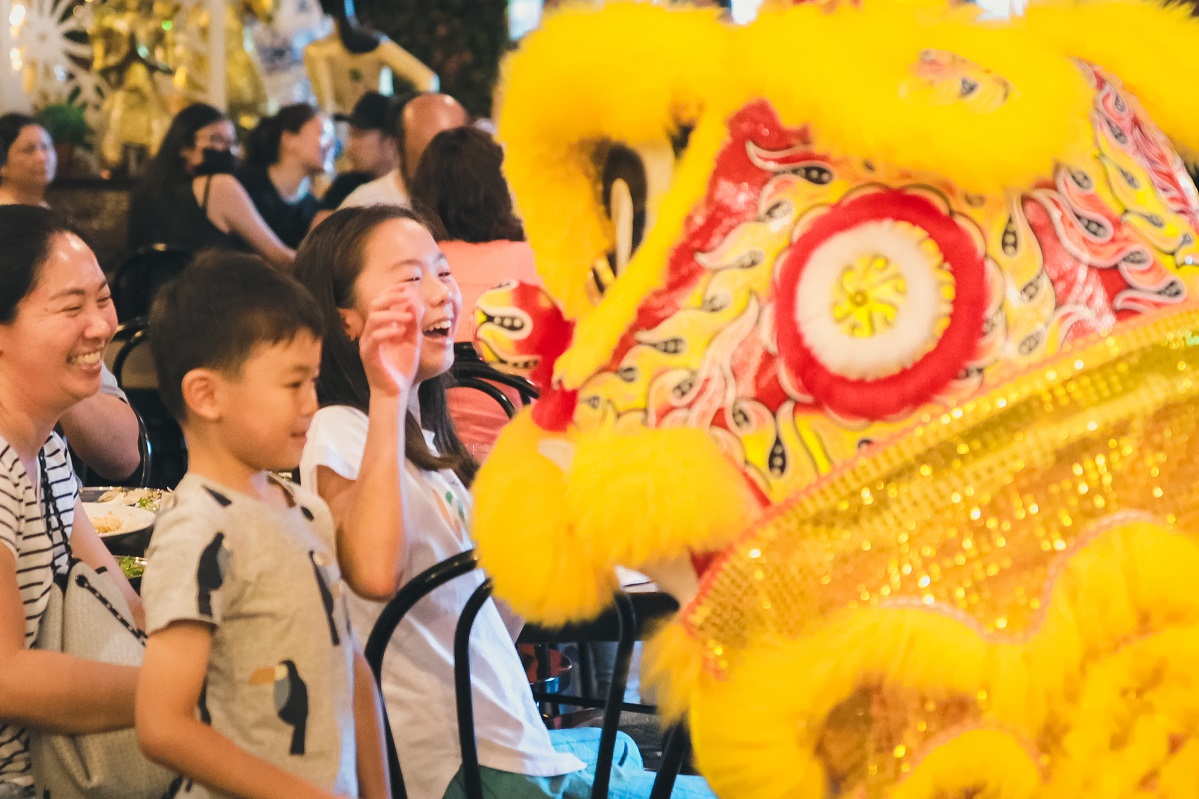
{"x": 141, "y": 476}
{"x": 439, "y": 574}
{"x": 623, "y": 624}
{"x": 471, "y": 371}
{"x": 132, "y": 363}
{"x": 389, "y": 619}
{"x": 142, "y": 274}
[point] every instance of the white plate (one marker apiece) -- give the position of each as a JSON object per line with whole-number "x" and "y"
{"x": 130, "y": 519}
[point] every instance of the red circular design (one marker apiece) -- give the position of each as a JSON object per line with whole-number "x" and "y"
{"x": 891, "y": 395}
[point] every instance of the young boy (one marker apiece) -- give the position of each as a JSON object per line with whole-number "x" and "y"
{"x": 252, "y": 685}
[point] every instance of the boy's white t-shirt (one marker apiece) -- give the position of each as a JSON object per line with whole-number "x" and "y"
{"x": 418, "y": 670}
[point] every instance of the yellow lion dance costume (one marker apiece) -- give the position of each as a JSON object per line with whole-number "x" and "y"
{"x": 871, "y": 334}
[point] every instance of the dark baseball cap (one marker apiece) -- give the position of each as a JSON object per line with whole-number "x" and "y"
{"x": 371, "y": 112}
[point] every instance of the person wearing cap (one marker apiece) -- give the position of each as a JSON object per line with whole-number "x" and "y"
{"x": 417, "y": 119}
{"x": 370, "y": 149}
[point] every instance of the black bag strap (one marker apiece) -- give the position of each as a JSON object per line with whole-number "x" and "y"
{"x": 52, "y": 511}
{"x": 86, "y": 584}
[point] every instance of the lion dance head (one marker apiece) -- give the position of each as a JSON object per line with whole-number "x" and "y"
{"x": 870, "y": 332}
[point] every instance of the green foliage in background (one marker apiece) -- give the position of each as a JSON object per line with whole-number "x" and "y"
{"x": 67, "y": 122}
{"x": 461, "y": 40}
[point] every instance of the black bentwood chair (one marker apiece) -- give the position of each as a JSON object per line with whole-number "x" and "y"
{"x": 470, "y": 371}
{"x": 620, "y": 622}
{"x": 133, "y": 367}
{"x": 142, "y": 274}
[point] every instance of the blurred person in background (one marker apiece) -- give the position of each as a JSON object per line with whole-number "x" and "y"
{"x": 29, "y": 161}
{"x": 283, "y": 156}
{"x": 459, "y": 183}
{"x": 417, "y": 119}
{"x": 370, "y": 150}
{"x": 188, "y": 198}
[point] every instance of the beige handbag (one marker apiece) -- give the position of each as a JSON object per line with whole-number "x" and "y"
{"x": 87, "y": 616}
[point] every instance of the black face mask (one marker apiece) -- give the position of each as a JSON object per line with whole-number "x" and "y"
{"x": 217, "y": 162}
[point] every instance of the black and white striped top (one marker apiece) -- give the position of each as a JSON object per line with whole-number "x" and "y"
{"x": 23, "y": 529}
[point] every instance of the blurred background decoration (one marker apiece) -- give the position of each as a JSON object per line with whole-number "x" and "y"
{"x": 107, "y": 74}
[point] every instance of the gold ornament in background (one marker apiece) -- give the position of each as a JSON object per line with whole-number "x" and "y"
{"x": 127, "y": 46}
{"x": 351, "y": 61}
{"x": 248, "y": 100}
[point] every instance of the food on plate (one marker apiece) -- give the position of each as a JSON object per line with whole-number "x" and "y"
{"x": 108, "y": 523}
{"x": 132, "y": 567}
{"x": 146, "y": 498}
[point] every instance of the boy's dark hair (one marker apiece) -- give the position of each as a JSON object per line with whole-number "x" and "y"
{"x": 216, "y": 312}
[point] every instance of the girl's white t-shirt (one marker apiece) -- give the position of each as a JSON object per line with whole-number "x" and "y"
{"x": 418, "y": 670}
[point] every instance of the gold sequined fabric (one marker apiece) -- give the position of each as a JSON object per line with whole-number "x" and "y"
{"x": 970, "y": 511}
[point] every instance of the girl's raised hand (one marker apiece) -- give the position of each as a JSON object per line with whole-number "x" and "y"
{"x": 391, "y": 340}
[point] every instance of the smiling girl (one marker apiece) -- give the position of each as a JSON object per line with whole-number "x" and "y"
{"x": 383, "y": 453}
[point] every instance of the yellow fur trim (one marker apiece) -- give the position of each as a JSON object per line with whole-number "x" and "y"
{"x": 1107, "y": 678}
{"x": 524, "y": 537}
{"x": 743, "y": 729}
{"x": 855, "y": 89}
{"x": 1178, "y": 777}
{"x": 599, "y": 331}
{"x": 552, "y": 551}
{"x": 656, "y": 493}
{"x": 631, "y": 74}
{"x": 672, "y": 666}
{"x": 986, "y": 762}
{"x": 1142, "y": 44}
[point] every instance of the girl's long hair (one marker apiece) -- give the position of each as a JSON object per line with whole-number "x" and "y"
{"x": 328, "y": 264}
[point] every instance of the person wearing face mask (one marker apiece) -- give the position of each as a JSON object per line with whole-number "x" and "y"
{"x": 188, "y": 198}
{"x": 283, "y": 156}
{"x": 29, "y": 161}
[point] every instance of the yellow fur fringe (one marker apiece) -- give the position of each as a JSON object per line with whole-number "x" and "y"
{"x": 524, "y": 536}
{"x": 630, "y": 74}
{"x": 975, "y": 758}
{"x": 1122, "y": 621}
{"x": 656, "y": 493}
{"x": 552, "y": 552}
{"x": 1142, "y": 44}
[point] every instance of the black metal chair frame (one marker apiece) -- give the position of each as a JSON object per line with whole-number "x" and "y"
{"x": 136, "y": 337}
{"x": 470, "y": 371}
{"x": 133, "y": 334}
{"x": 620, "y": 623}
{"x": 439, "y": 574}
{"x": 389, "y": 619}
{"x": 135, "y": 282}
{"x": 144, "y": 454}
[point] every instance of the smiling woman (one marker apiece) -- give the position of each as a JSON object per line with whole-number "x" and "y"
{"x": 56, "y": 318}
{"x": 29, "y": 161}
